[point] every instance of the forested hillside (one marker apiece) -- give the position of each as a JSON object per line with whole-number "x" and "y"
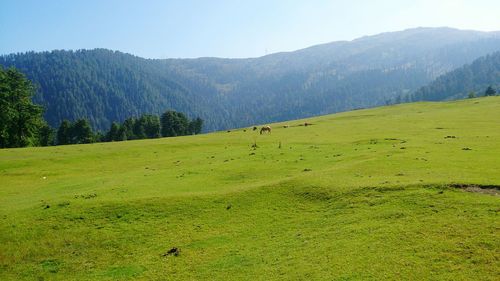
{"x": 105, "y": 86}
{"x": 472, "y": 79}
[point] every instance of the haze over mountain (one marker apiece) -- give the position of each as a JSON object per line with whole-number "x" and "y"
{"x": 106, "y": 86}
{"x": 457, "y": 84}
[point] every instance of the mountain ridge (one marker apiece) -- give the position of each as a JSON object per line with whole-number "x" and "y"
{"x": 106, "y": 86}
{"x": 470, "y": 78}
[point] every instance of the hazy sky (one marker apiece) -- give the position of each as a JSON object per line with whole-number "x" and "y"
{"x": 190, "y": 28}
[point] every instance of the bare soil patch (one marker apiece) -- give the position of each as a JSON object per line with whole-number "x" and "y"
{"x": 478, "y": 188}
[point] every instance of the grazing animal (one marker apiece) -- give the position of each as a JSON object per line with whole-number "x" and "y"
{"x": 265, "y": 129}
{"x": 254, "y": 128}
{"x": 307, "y": 124}
{"x": 285, "y": 126}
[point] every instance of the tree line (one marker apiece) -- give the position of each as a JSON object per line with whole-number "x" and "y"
{"x": 147, "y": 126}
{"x": 22, "y": 123}
{"x": 480, "y": 78}
{"x": 489, "y": 92}
{"x": 106, "y": 86}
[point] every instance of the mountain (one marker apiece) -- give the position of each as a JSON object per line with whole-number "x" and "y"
{"x": 456, "y": 84}
{"x": 106, "y": 86}
{"x": 103, "y": 86}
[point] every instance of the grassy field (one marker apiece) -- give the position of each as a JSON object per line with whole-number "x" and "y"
{"x": 362, "y": 195}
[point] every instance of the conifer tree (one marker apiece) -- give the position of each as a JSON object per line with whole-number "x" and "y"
{"x": 20, "y": 119}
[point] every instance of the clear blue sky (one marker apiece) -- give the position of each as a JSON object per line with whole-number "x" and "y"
{"x": 229, "y": 28}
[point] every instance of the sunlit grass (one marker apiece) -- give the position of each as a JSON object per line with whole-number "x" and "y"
{"x": 357, "y": 195}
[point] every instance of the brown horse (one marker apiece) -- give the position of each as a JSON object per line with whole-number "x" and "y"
{"x": 265, "y": 129}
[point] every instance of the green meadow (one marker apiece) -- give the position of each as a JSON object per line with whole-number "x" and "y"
{"x": 406, "y": 192}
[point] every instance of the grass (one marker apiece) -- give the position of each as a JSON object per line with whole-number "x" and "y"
{"x": 358, "y": 195}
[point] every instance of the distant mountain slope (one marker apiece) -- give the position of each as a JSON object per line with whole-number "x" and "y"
{"x": 103, "y": 86}
{"x": 107, "y": 86}
{"x": 476, "y": 76}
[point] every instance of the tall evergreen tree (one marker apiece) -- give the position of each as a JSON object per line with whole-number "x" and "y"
{"x": 114, "y": 133}
{"x": 20, "y": 119}
{"x": 63, "y": 133}
{"x": 81, "y": 132}
{"x": 128, "y": 127}
{"x": 174, "y": 124}
{"x": 195, "y": 126}
{"x": 151, "y": 125}
{"x": 139, "y": 131}
{"x": 47, "y": 135}
{"x": 490, "y": 92}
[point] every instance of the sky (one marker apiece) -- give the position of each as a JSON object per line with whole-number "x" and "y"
{"x": 222, "y": 28}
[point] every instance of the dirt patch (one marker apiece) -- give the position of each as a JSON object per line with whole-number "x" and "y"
{"x": 478, "y": 188}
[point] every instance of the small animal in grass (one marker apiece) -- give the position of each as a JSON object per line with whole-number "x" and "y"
{"x": 265, "y": 129}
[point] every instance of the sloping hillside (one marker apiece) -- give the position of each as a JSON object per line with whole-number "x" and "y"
{"x": 474, "y": 77}
{"x": 399, "y": 192}
{"x": 106, "y": 86}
